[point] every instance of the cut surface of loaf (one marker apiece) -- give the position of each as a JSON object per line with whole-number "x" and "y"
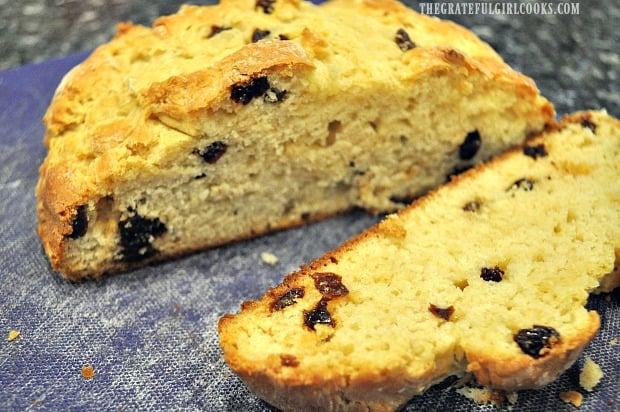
{"x": 225, "y": 122}
{"x": 487, "y": 275}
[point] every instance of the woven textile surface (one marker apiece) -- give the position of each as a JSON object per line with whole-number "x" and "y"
{"x": 150, "y": 334}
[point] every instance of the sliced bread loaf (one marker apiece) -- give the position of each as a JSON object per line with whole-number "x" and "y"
{"x": 228, "y": 121}
{"x": 488, "y": 274}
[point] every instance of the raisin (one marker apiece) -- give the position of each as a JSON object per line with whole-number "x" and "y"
{"x": 283, "y": 37}
{"x": 492, "y": 274}
{"x": 213, "y": 152}
{"x": 217, "y": 30}
{"x": 535, "y": 151}
{"x": 274, "y": 95}
{"x": 403, "y": 40}
{"x": 535, "y": 341}
{"x": 522, "y": 184}
{"x": 79, "y": 224}
{"x": 587, "y": 123}
{"x": 330, "y": 285}
{"x": 441, "y": 312}
{"x": 287, "y": 299}
{"x": 137, "y": 233}
{"x": 266, "y": 5}
{"x": 470, "y": 145}
{"x": 289, "y": 360}
{"x": 318, "y": 315}
{"x": 259, "y": 34}
{"x": 472, "y": 206}
{"x": 244, "y": 93}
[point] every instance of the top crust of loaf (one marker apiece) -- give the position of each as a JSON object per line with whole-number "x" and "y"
{"x": 211, "y": 86}
{"x": 138, "y": 99}
{"x": 260, "y": 343}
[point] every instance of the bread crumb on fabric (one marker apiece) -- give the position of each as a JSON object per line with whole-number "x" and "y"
{"x": 88, "y": 371}
{"x": 590, "y": 375}
{"x": 479, "y": 395}
{"x": 483, "y": 396}
{"x": 13, "y": 335}
{"x": 614, "y": 341}
{"x": 512, "y": 397}
{"x": 269, "y": 258}
{"x": 572, "y": 397}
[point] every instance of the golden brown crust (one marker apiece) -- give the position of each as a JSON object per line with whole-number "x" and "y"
{"x": 212, "y": 85}
{"x": 59, "y": 196}
{"x": 373, "y": 392}
{"x": 527, "y": 373}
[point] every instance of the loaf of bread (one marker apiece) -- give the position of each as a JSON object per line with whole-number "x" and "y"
{"x": 487, "y": 275}
{"x": 224, "y": 122}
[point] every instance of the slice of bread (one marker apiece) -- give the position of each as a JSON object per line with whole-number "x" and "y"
{"x": 224, "y": 122}
{"x": 488, "y": 274}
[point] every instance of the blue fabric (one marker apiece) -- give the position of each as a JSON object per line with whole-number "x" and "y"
{"x": 151, "y": 334}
